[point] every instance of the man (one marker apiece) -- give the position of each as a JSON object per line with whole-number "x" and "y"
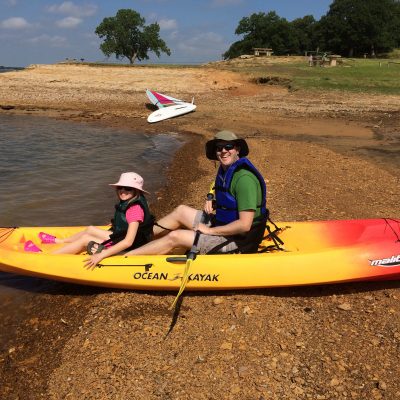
{"x": 240, "y": 207}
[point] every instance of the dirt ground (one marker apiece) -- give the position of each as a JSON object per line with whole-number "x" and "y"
{"x": 324, "y": 155}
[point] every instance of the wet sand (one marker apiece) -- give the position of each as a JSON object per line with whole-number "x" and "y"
{"x": 322, "y": 156}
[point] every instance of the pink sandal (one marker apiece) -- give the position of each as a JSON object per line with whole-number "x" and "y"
{"x": 46, "y": 238}
{"x": 31, "y": 247}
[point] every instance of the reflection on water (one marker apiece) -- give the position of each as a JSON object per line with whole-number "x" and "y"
{"x": 56, "y": 173}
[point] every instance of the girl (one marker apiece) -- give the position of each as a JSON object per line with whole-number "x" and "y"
{"x": 132, "y": 226}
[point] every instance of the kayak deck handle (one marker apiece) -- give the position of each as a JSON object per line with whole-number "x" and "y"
{"x": 182, "y": 259}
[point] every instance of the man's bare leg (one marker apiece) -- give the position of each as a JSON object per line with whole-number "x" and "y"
{"x": 182, "y": 216}
{"x": 183, "y": 238}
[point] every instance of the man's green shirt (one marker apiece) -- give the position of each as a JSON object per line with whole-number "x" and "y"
{"x": 246, "y": 188}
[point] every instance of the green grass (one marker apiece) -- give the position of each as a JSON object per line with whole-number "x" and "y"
{"x": 394, "y": 54}
{"x": 354, "y": 75}
{"x": 371, "y": 76}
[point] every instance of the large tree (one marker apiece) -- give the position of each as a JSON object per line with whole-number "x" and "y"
{"x": 264, "y": 30}
{"x": 354, "y": 27}
{"x": 305, "y": 32}
{"x": 126, "y": 35}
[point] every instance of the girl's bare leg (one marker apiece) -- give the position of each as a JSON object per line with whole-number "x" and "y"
{"x": 90, "y": 230}
{"x": 82, "y": 241}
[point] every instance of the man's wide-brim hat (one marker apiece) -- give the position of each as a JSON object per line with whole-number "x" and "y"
{"x": 130, "y": 179}
{"x": 225, "y": 136}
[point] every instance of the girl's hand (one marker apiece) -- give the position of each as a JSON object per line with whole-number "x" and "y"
{"x": 92, "y": 261}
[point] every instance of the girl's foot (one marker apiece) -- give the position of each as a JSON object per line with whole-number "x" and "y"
{"x": 46, "y": 238}
{"x": 31, "y": 247}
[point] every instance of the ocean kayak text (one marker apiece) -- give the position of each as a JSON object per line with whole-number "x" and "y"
{"x": 163, "y": 276}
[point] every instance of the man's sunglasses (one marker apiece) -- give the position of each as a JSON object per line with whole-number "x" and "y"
{"x": 227, "y": 147}
{"x": 125, "y": 188}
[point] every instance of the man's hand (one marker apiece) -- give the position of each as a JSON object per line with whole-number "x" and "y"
{"x": 208, "y": 207}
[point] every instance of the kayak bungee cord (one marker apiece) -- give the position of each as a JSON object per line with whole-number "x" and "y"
{"x": 146, "y": 266}
{"x": 391, "y": 227}
{"x": 5, "y": 233}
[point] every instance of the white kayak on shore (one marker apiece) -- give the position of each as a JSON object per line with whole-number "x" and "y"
{"x": 168, "y": 107}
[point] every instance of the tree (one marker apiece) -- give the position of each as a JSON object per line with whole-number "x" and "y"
{"x": 264, "y": 30}
{"x": 355, "y": 27}
{"x": 305, "y": 32}
{"x": 126, "y": 35}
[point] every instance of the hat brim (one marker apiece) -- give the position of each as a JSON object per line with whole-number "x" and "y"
{"x": 211, "y": 153}
{"x": 121, "y": 184}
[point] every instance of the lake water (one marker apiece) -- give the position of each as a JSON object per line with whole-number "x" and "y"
{"x": 56, "y": 173}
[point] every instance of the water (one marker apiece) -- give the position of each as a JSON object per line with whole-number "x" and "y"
{"x": 8, "y": 69}
{"x": 56, "y": 173}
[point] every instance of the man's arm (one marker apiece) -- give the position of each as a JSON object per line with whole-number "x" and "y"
{"x": 240, "y": 226}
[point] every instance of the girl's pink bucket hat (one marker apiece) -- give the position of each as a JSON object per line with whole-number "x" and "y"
{"x": 131, "y": 179}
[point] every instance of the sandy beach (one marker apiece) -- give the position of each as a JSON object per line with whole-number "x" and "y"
{"x": 325, "y": 155}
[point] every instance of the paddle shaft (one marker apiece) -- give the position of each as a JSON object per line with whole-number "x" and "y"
{"x": 193, "y": 251}
{"x": 189, "y": 259}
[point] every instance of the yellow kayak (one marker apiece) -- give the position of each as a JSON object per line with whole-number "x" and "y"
{"x": 317, "y": 252}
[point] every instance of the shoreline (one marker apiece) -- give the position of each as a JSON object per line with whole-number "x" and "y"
{"x": 119, "y": 334}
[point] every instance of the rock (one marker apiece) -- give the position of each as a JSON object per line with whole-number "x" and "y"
{"x": 298, "y": 391}
{"x": 200, "y": 359}
{"x": 376, "y": 394}
{"x": 375, "y": 341}
{"x": 247, "y": 310}
{"x": 334, "y": 382}
{"x": 382, "y": 385}
{"x": 299, "y": 380}
{"x": 344, "y": 307}
{"x": 235, "y": 389}
{"x": 218, "y": 301}
{"x": 243, "y": 371}
{"x": 226, "y": 346}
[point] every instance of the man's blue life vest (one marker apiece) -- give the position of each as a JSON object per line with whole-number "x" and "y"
{"x": 226, "y": 204}
{"x": 120, "y": 225}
